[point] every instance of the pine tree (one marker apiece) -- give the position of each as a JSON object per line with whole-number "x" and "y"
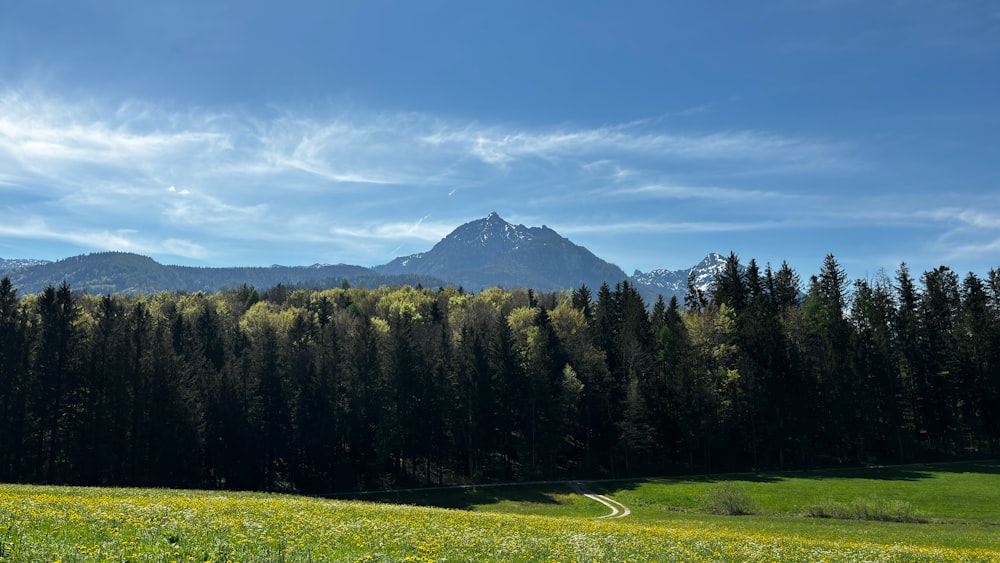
{"x": 939, "y": 309}
{"x": 12, "y": 381}
{"x": 824, "y": 309}
{"x": 54, "y": 366}
{"x": 730, "y": 286}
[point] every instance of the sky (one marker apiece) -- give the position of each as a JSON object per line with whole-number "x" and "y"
{"x": 251, "y": 133}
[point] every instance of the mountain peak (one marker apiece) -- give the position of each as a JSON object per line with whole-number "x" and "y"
{"x": 492, "y": 252}
{"x": 711, "y": 259}
{"x": 674, "y": 282}
{"x": 491, "y": 233}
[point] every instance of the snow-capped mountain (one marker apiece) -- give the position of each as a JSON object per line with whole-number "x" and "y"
{"x": 492, "y": 252}
{"x": 669, "y": 283}
{"x": 15, "y": 263}
{"x": 483, "y": 253}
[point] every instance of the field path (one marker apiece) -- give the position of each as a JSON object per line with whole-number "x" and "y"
{"x": 618, "y": 510}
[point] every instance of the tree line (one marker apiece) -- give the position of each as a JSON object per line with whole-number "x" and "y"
{"x": 353, "y": 388}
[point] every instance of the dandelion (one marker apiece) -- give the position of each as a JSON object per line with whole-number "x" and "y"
{"x": 115, "y": 525}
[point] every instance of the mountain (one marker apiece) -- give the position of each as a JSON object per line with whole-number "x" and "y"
{"x": 122, "y": 272}
{"x": 15, "y": 263}
{"x": 669, "y": 283}
{"x": 492, "y": 252}
{"x": 484, "y": 253}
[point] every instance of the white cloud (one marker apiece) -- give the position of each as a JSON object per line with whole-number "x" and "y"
{"x": 419, "y": 230}
{"x": 218, "y": 178}
{"x": 202, "y": 209}
{"x": 185, "y": 249}
{"x": 498, "y": 146}
{"x": 645, "y": 227}
{"x": 73, "y": 144}
{"x": 977, "y": 250}
{"x": 40, "y": 132}
{"x": 673, "y": 191}
{"x": 40, "y": 229}
{"x": 978, "y": 219}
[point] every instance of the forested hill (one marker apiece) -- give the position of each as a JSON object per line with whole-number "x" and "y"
{"x": 488, "y": 252}
{"x": 345, "y": 388}
{"x": 126, "y": 273}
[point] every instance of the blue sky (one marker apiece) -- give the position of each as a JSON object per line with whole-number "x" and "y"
{"x": 256, "y": 133}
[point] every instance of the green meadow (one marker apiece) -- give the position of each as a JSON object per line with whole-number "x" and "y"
{"x": 947, "y": 512}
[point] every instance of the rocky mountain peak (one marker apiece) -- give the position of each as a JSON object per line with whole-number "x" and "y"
{"x": 493, "y": 252}
{"x": 712, "y": 260}
{"x": 674, "y": 282}
{"x": 492, "y": 233}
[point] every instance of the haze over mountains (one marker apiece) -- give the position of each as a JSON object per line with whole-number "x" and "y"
{"x": 483, "y": 253}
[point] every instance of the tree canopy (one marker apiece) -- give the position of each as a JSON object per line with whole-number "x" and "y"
{"x": 354, "y": 388}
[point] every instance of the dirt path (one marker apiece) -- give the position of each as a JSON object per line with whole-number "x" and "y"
{"x": 618, "y": 510}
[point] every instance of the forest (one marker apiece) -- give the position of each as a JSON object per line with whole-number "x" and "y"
{"x": 321, "y": 391}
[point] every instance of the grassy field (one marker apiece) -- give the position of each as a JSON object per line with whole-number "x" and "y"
{"x": 959, "y": 502}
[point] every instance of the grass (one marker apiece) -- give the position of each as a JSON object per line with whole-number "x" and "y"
{"x": 669, "y": 522}
{"x": 553, "y": 499}
{"x": 956, "y": 493}
{"x": 873, "y": 508}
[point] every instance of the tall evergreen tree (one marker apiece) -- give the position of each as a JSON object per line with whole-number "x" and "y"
{"x": 55, "y": 368}
{"x": 978, "y": 355}
{"x": 939, "y": 309}
{"x": 878, "y": 400}
{"x": 730, "y": 286}
{"x": 825, "y": 309}
{"x": 12, "y": 382}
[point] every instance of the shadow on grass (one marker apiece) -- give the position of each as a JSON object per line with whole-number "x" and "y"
{"x": 467, "y": 498}
{"x": 901, "y": 472}
{"x": 911, "y": 473}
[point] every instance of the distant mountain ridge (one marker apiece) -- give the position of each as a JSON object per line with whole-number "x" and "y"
{"x": 15, "y": 263}
{"x": 671, "y": 283}
{"x": 492, "y": 252}
{"x": 479, "y": 254}
{"x": 123, "y": 272}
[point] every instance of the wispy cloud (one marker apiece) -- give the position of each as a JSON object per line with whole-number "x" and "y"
{"x": 951, "y": 233}
{"x": 379, "y": 149}
{"x": 38, "y": 228}
{"x": 419, "y": 230}
{"x": 498, "y": 146}
{"x": 673, "y": 191}
{"x": 976, "y": 250}
{"x": 644, "y": 227}
{"x": 189, "y": 208}
{"x": 39, "y": 133}
{"x": 974, "y": 218}
{"x": 149, "y": 178}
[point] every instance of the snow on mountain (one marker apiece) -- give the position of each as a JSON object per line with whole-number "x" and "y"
{"x": 674, "y": 282}
{"x": 492, "y": 252}
{"x": 15, "y": 263}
